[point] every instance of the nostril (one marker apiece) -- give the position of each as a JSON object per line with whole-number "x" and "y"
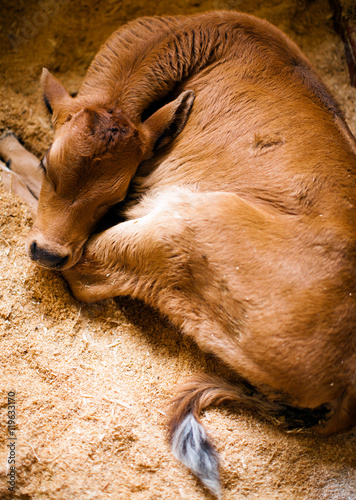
{"x": 47, "y": 258}
{"x": 33, "y": 248}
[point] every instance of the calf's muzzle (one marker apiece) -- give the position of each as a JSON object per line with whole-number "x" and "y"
{"x": 47, "y": 258}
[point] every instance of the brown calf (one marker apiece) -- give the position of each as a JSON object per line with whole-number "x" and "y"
{"x": 242, "y": 231}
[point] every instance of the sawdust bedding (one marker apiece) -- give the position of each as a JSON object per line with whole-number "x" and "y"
{"x": 92, "y": 382}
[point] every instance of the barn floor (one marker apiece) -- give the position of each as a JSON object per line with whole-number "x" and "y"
{"x": 92, "y": 383}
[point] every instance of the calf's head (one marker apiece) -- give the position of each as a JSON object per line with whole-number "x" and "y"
{"x": 94, "y": 155}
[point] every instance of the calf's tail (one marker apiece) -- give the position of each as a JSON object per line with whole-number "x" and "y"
{"x": 188, "y": 439}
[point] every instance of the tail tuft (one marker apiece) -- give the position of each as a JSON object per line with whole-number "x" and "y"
{"x": 191, "y": 446}
{"x": 188, "y": 438}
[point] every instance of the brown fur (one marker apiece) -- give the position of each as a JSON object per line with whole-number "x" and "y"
{"x": 242, "y": 232}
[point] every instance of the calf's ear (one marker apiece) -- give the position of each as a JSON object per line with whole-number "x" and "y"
{"x": 168, "y": 122}
{"x": 54, "y": 93}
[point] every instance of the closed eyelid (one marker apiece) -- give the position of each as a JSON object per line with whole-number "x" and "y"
{"x": 43, "y": 162}
{"x": 42, "y": 165}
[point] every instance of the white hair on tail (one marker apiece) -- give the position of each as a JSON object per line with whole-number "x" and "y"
{"x": 190, "y": 445}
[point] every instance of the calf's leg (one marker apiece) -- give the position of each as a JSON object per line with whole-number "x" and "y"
{"x": 20, "y": 174}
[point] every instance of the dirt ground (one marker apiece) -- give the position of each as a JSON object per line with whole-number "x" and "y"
{"x": 92, "y": 383}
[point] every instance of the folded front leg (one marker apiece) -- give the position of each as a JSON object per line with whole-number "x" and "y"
{"x": 115, "y": 262}
{"x": 174, "y": 244}
{"x": 141, "y": 256}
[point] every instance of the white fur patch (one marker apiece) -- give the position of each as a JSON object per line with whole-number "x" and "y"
{"x": 190, "y": 445}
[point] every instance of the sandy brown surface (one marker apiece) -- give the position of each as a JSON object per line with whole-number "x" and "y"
{"x": 92, "y": 383}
